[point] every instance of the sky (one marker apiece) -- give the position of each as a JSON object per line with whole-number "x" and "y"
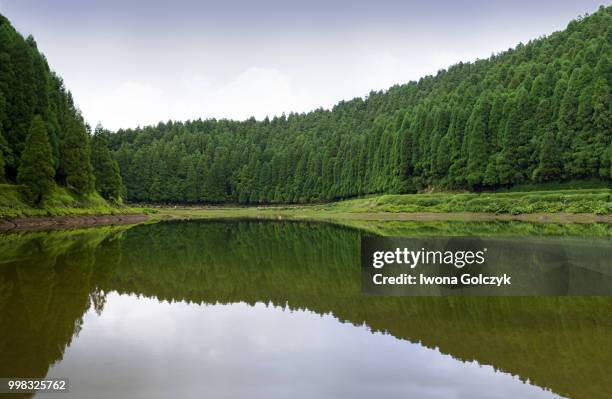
{"x": 138, "y": 62}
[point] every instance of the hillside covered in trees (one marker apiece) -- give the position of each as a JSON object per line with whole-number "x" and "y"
{"x": 44, "y": 141}
{"x": 537, "y": 113}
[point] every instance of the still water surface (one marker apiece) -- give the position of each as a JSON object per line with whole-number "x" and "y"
{"x": 274, "y": 309}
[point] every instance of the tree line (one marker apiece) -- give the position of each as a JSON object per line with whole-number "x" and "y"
{"x": 44, "y": 140}
{"x": 536, "y": 113}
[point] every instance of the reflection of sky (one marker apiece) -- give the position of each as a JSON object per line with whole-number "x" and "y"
{"x": 139, "y": 347}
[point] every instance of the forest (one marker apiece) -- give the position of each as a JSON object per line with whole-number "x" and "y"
{"x": 44, "y": 140}
{"x": 537, "y": 113}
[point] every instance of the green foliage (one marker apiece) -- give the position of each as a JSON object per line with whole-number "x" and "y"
{"x": 75, "y": 164}
{"x": 10, "y": 199}
{"x": 217, "y": 263}
{"x": 478, "y": 145}
{"x": 537, "y": 113}
{"x": 594, "y": 201}
{"x": 58, "y": 202}
{"x": 550, "y": 165}
{"x": 36, "y": 166}
{"x": 28, "y": 88}
{"x": 105, "y": 167}
{"x": 1, "y": 167}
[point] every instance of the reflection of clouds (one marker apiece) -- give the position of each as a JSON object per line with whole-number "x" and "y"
{"x": 140, "y": 347}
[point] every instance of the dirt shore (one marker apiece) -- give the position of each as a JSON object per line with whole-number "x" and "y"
{"x": 310, "y": 214}
{"x": 64, "y": 222}
{"x": 67, "y": 222}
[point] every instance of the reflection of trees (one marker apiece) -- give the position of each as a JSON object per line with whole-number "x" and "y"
{"x": 28, "y": 340}
{"x": 45, "y": 292}
{"x": 553, "y": 342}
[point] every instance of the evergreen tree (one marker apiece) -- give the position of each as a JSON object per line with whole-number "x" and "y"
{"x": 538, "y": 112}
{"x": 601, "y": 124}
{"x": 36, "y": 166}
{"x": 3, "y": 150}
{"x": 478, "y": 146}
{"x": 550, "y": 166}
{"x": 105, "y": 167}
{"x": 27, "y": 88}
{"x": 3, "y": 142}
{"x": 2, "y": 179}
{"x": 75, "y": 161}
{"x": 507, "y": 165}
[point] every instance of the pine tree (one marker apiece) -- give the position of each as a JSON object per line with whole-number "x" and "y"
{"x": 535, "y": 113}
{"x": 105, "y": 168}
{"x": 550, "y": 160}
{"x": 602, "y": 124}
{"x": 478, "y": 145}
{"x": 76, "y": 158}
{"x": 507, "y": 165}
{"x": 2, "y": 178}
{"x": 3, "y": 142}
{"x": 3, "y": 152}
{"x": 610, "y": 160}
{"x": 36, "y": 167}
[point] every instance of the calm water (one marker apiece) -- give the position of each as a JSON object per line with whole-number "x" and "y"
{"x": 274, "y": 309}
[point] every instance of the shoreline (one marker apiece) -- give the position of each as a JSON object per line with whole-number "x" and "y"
{"x": 305, "y": 214}
{"x": 33, "y": 223}
{"x": 571, "y": 206}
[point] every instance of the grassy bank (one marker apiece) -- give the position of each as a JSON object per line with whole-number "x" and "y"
{"x": 586, "y": 206}
{"x": 595, "y": 201}
{"x": 61, "y": 202}
{"x": 579, "y": 205}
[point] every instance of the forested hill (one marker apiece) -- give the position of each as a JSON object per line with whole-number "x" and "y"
{"x": 43, "y": 138}
{"x": 536, "y": 113}
{"x": 539, "y": 112}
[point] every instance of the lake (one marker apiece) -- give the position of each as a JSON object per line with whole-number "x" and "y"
{"x": 266, "y": 309}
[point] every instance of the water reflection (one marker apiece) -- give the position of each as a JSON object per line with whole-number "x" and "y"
{"x": 261, "y": 351}
{"x": 48, "y": 281}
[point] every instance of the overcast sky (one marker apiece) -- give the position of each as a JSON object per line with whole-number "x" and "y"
{"x": 137, "y": 62}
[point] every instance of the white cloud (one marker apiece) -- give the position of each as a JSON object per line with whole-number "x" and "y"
{"x": 127, "y": 73}
{"x": 129, "y": 104}
{"x": 255, "y": 92}
{"x": 260, "y": 92}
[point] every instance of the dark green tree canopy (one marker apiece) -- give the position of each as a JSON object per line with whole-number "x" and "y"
{"x": 536, "y": 113}
{"x": 539, "y": 112}
{"x": 36, "y": 167}
{"x": 75, "y": 158}
{"x": 105, "y": 167}
{"x": 30, "y": 94}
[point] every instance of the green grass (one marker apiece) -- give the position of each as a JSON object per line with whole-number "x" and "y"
{"x": 593, "y": 201}
{"x": 588, "y": 206}
{"x": 558, "y": 186}
{"x": 60, "y": 202}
